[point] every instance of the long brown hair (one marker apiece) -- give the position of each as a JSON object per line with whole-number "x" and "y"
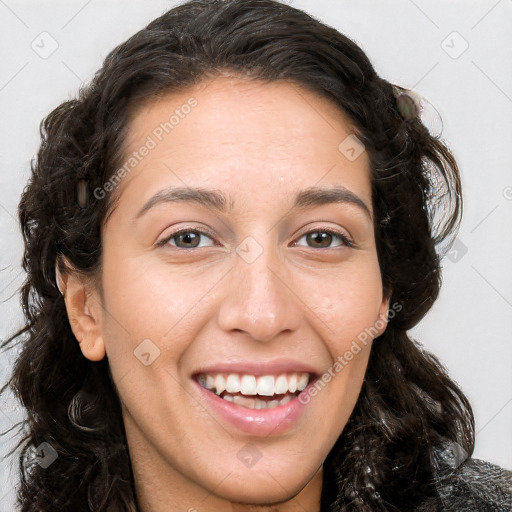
{"x": 408, "y": 406}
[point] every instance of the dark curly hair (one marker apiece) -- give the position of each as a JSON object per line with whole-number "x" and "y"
{"x": 408, "y": 406}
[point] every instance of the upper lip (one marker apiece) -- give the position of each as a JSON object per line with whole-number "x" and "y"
{"x": 258, "y": 368}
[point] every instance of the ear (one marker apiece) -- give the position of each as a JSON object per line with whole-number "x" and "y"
{"x": 84, "y": 309}
{"x": 382, "y": 321}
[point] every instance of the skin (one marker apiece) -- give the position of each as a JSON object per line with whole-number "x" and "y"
{"x": 259, "y": 143}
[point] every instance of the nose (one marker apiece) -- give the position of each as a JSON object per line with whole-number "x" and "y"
{"x": 259, "y": 299}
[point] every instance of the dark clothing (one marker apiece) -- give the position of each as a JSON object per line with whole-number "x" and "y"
{"x": 472, "y": 486}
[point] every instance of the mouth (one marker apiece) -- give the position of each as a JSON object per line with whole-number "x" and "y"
{"x": 255, "y": 392}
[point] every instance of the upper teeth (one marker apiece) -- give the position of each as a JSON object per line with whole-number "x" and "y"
{"x": 265, "y": 385}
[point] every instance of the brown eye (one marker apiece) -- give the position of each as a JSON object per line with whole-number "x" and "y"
{"x": 319, "y": 239}
{"x": 187, "y": 239}
{"x": 323, "y": 240}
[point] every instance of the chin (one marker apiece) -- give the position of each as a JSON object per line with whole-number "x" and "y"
{"x": 264, "y": 485}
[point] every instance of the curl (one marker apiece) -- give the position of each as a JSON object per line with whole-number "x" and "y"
{"x": 407, "y": 406}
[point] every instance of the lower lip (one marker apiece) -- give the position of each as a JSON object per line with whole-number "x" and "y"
{"x": 259, "y": 422}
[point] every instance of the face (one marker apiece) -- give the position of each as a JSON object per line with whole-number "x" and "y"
{"x": 239, "y": 268}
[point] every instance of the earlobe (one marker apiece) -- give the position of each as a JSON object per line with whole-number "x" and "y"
{"x": 84, "y": 312}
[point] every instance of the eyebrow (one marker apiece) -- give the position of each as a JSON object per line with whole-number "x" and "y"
{"x": 214, "y": 199}
{"x": 316, "y": 196}
{"x": 219, "y": 201}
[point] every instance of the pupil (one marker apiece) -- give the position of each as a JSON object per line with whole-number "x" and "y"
{"x": 322, "y": 238}
{"x": 190, "y": 238}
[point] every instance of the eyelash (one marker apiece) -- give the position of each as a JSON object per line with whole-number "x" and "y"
{"x": 345, "y": 241}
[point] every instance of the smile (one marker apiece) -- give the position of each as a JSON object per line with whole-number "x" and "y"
{"x": 255, "y": 392}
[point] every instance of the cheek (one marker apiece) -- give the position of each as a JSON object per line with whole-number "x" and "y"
{"x": 349, "y": 309}
{"x": 146, "y": 300}
{"x": 346, "y": 303}
{"x": 169, "y": 304}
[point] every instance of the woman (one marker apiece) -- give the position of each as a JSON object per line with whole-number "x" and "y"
{"x": 228, "y": 235}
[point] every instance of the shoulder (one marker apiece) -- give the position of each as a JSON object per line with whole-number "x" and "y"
{"x": 480, "y": 486}
{"x": 470, "y": 485}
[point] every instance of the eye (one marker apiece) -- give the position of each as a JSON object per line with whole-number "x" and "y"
{"x": 186, "y": 239}
{"x": 322, "y": 239}
{"x": 192, "y": 239}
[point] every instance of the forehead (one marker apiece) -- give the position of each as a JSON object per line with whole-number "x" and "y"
{"x": 221, "y": 105}
{"x": 244, "y": 137}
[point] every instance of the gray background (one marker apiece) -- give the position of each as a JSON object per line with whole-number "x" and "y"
{"x": 411, "y": 43}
